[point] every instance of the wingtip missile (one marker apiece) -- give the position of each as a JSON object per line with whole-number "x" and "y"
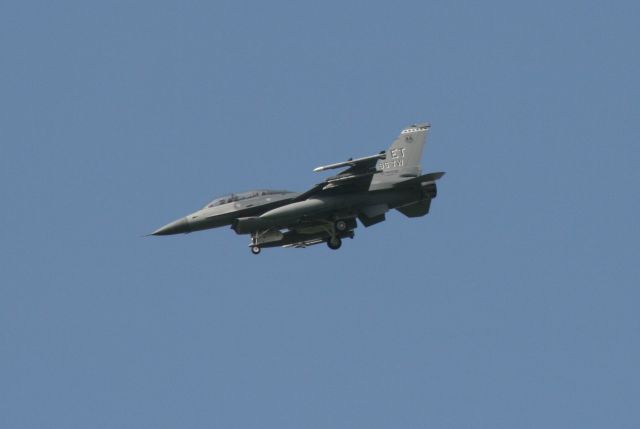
{"x": 351, "y": 162}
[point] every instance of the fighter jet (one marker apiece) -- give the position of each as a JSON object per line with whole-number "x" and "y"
{"x": 365, "y": 190}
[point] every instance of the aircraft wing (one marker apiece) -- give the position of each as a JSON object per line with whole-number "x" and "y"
{"x": 303, "y": 196}
{"x": 357, "y": 177}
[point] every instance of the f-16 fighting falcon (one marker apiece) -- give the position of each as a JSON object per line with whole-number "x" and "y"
{"x": 367, "y": 189}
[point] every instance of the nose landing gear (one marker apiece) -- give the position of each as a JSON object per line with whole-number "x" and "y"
{"x": 255, "y": 248}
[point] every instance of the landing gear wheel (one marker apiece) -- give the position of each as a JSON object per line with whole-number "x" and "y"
{"x": 334, "y": 243}
{"x": 255, "y": 250}
{"x": 341, "y": 226}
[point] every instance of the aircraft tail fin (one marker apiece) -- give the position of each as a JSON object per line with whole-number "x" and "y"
{"x": 403, "y": 157}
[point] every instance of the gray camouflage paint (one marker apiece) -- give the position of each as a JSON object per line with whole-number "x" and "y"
{"x": 366, "y": 190}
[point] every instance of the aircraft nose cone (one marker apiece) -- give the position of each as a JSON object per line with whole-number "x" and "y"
{"x": 179, "y": 226}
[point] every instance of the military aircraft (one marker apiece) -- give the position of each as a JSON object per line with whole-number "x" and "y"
{"x": 326, "y": 213}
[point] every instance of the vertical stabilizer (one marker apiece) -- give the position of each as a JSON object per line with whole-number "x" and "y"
{"x": 403, "y": 157}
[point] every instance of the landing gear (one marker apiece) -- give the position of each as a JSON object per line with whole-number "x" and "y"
{"x": 334, "y": 243}
{"x": 255, "y": 249}
{"x": 330, "y": 231}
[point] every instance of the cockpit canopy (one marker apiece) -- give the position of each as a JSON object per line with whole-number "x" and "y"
{"x": 226, "y": 199}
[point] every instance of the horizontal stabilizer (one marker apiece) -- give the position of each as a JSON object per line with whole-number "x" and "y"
{"x": 371, "y": 215}
{"x": 368, "y": 221}
{"x": 418, "y": 209}
{"x": 420, "y": 180}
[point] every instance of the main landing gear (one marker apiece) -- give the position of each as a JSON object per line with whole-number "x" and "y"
{"x": 334, "y": 243}
{"x": 340, "y": 229}
{"x": 327, "y": 231}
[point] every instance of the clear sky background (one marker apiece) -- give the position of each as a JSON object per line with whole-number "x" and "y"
{"x": 513, "y": 304}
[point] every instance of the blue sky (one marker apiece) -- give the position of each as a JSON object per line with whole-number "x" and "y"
{"x": 512, "y": 304}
